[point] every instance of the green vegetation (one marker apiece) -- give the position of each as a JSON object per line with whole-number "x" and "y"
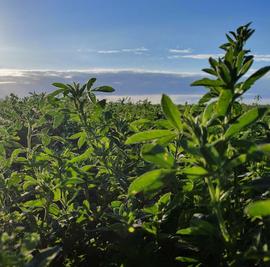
{"x": 85, "y": 183}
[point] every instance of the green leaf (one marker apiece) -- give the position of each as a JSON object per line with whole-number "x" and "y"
{"x": 259, "y": 208}
{"x": 83, "y": 156}
{"x": 229, "y": 57}
{"x": 224, "y": 73}
{"x": 56, "y": 92}
{"x": 158, "y": 155}
{"x": 60, "y": 85}
{"x": 45, "y": 139}
{"x": 165, "y": 141}
{"x": 210, "y": 71}
{"x": 150, "y": 182}
{"x": 186, "y": 259}
{"x": 224, "y": 102}
{"x": 207, "y": 97}
{"x": 58, "y": 119}
{"x": 208, "y": 113}
{"x": 15, "y": 153}
{"x": 29, "y": 181}
{"x": 198, "y": 227}
{"x": 164, "y": 124}
{"x": 246, "y": 67}
{"x": 54, "y": 209}
{"x": 265, "y": 148}
{"x": 76, "y": 135}
{"x": 185, "y": 231}
{"x": 239, "y": 60}
{"x": 171, "y": 112}
{"x": 93, "y": 98}
{"x": 116, "y": 204}
{"x": 14, "y": 179}
{"x": 44, "y": 257}
{"x": 148, "y": 135}
{"x": 90, "y": 83}
{"x": 245, "y": 120}
{"x": 36, "y": 203}
{"x": 239, "y": 160}
{"x": 82, "y": 139}
{"x": 164, "y": 199}
{"x": 213, "y": 62}
{"x": 135, "y": 125}
{"x": 208, "y": 83}
{"x": 196, "y": 170}
{"x": 253, "y": 78}
{"x": 150, "y": 227}
{"x": 106, "y": 89}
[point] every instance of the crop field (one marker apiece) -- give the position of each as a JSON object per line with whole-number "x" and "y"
{"x": 89, "y": 183}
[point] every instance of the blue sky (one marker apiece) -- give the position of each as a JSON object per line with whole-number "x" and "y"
{"x": 166, "y": 36}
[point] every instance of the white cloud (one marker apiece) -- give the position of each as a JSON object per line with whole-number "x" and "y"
{"x": 7, "y": 82}
{"x": 108, "y": 51}
{"x": 257, "y": 57}
{"x": 195, "y": 56}
{"x": 202, "y": 56}
{"x": 135, "y": 50}
{"x": 12, "y": 72}
{"x": 262, "y": 57}
{"x": 180, "y": 51}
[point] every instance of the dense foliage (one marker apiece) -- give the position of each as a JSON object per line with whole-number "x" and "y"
{"x": 85, "y": 183}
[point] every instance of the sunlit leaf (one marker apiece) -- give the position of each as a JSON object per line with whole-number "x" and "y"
{"x": 157, "y": 155}
{"x": 150, "y": 182}
{"x": 196, "y": 170}
{"x": 208, "y": 83}
{"x": 245, "y": 120}
{"x": 171, "y": 112}
{"x": 258, "y": 208}
{"x": 224, "y": 102}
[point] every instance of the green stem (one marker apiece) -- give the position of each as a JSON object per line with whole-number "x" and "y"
{"x": 29, "y": 139}
{"x": 217, "y": 210}
{"x": 177, "y": 146}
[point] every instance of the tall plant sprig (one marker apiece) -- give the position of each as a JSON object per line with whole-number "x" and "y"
{"x": 230, "y": 83}
{"x": 230, "y": 71}
{"x": 81, "y": 97}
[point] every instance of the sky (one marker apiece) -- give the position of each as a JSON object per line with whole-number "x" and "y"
{"x": 141, "y": 47}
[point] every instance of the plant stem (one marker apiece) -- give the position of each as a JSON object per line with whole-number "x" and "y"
{"x": 217, "y": 210}
{"x": 29, "y": 138}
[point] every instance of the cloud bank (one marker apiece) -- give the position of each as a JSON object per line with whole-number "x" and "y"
{"x": 135, "y": 83}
